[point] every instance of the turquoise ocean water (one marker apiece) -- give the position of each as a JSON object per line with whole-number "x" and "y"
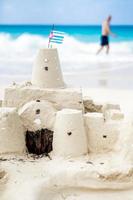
{"x": 19, "y": 45}
{"x": 82, "y": 33}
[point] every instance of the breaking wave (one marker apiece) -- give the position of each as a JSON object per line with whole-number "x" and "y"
{"x": 17, "y": 54}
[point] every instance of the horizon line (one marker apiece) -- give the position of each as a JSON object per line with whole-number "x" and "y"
{"x": 27, "y": 24}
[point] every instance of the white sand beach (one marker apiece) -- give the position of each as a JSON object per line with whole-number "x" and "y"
{"x": 66, "y": 100}
{"x": 71, "y": 178}
{"x": 91, "y": 141}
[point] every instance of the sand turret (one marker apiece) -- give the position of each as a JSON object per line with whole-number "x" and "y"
{"x": 69, "y": 134}
{"x": 46, "y": 71}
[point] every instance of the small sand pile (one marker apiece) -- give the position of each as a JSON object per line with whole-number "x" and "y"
{"x": 118, "y": 176}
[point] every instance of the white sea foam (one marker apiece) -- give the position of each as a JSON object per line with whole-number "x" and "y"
{"x": 17, "y": 54}
{"x": 23, "y": 50}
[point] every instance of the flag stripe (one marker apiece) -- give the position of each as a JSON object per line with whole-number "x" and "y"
{"x": 57, "y": 36}
{"x": 58, "y": 32}
{"x": 56, "y": 41}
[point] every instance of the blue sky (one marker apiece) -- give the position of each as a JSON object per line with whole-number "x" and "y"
{"x": 65, "y": 11}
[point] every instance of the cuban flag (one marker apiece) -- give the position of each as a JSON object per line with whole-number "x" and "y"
{"x": 56, "y": 37}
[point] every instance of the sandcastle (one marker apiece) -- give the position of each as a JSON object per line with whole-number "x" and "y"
{"x": 45, "y": 116}
{"x": 45, "y": 104}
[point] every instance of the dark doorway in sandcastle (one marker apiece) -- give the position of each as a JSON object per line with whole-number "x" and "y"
{"x": 39, "y": 142}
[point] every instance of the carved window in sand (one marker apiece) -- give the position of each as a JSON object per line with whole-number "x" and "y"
{"x": 46, "y": 61}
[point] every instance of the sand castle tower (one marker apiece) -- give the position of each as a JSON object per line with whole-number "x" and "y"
{"x": 69, "y": 134}
{"x": 46, "y": 71}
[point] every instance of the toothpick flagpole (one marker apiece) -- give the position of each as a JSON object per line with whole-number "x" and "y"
{"x": 50, "y": 36}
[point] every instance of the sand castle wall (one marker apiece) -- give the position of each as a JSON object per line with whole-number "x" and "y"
{"x": 60, "y": 98}
{"x": 12, "y": 138}
{"x": 102, "y": 128}
{"x": 103, "y": 133}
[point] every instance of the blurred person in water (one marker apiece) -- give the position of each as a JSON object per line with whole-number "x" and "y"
{"x": 105, "y": 35}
